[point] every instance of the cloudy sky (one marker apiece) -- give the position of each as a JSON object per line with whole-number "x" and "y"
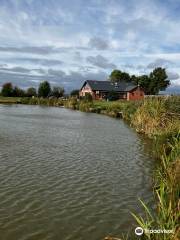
{"x": 69, "y": 41}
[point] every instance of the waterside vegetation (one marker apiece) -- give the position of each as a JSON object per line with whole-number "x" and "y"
{"x": 159, "y": 119}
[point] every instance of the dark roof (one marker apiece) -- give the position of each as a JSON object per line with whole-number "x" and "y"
{"x": 109, "y": 86}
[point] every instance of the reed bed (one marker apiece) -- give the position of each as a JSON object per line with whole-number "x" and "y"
{"x": 167, "y": 192}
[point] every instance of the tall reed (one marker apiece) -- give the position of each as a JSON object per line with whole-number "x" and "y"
{"x": 167, "y": 193}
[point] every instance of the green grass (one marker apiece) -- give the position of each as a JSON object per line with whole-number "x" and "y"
{"x": 167, "y": 192}
{"x": 153, "y": 118}
{"x": 10, "y": 100}
{"x": 32, "y": 101}
{"x": 116, "y": 108}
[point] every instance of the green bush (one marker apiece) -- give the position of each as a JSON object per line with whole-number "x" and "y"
{"x": 173, "y": 104}
{"x": 85, "y": 106}
{"x": 87, "y": 97}
{"x": 72, "y": 103}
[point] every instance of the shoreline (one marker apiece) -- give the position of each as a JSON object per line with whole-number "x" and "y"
{"x": 151, "y": 118}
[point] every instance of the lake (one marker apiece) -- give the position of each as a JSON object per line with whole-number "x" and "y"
{"x": 69, "y": 175}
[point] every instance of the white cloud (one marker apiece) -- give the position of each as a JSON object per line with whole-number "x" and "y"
{"x": 129, "y": 34}
{"x": 101, "y": 62}
{"x": 173, "y": 76}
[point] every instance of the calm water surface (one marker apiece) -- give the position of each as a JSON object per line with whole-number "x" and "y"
{"x": 69, "y": 175}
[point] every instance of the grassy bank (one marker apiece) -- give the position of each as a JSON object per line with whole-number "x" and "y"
{"x": 10, "y": 100}
{"x": 167, "y": 192}
{"x": 122, "y": 109}
{"x": 32, "y": 101}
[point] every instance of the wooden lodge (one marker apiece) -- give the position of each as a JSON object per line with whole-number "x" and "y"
{"x": 100, "y": 90}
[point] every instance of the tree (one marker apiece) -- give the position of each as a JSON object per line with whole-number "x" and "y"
{"x": 88, "y": 97}
{"x": 155, "y": 82}
{"x": 119, "y": 76}
{"x": 44, "y": 89}
{"x": 144, "y": 82}
{"x": 31, "y": 92}
{"x": 57, "y": 92}
{"x": 75, "y": 93}
{"x": 158, "y": 80}
{"x": 7, "y": 90}
{"x": 18, "y": 92}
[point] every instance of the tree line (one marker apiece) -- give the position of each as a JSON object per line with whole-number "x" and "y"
{"x": 156, "y": 81}
{"x": 44, "y": 90}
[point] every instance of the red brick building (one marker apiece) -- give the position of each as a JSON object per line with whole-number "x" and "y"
{"x": 101, "y": 89}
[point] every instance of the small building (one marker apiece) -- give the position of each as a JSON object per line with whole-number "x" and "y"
{"x": 100, "y": 90}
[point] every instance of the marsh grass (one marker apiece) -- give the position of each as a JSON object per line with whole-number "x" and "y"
{"x": 151, "y": 117}
{"x": 42, "y": 101}
{"x": 155, "y": 119}
{"x": 167, "y": 192}
{"x": 117, "y": 108}
{"x": 72, "y": 103}
{"x": 9, "y": 100}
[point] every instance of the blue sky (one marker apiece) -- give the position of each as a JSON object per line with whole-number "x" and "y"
{"x": 67, "y": 42}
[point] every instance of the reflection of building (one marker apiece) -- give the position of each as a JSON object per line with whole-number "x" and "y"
{"x": 101, "y": 89}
